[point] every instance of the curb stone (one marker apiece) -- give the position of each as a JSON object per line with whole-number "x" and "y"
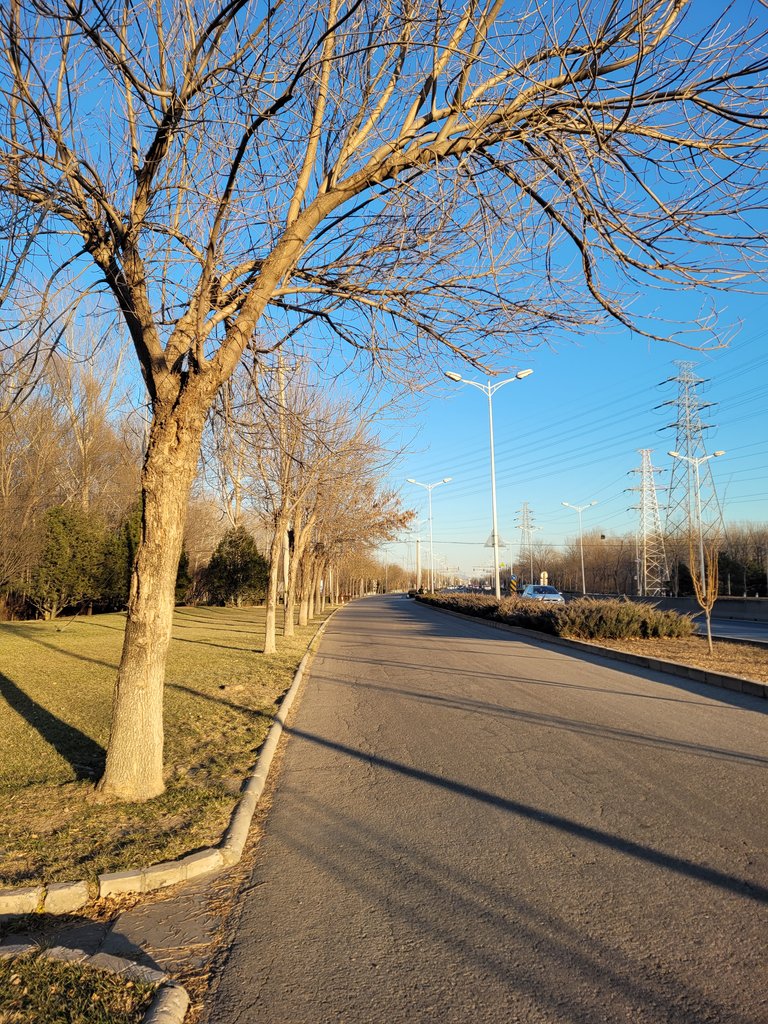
{"x": 169, "y": 1003}
{"x": 697, "y": 675}
{"x": 66, "y": 897}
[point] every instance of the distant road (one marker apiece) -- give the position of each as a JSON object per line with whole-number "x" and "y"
{"x": 735, "y": 629}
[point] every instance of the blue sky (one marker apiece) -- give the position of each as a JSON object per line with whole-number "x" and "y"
{"x": 571, "y": 432}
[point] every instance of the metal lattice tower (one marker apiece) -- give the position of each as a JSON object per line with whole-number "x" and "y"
{"x": 681, "y": 520}
{"x": 653, "y": 573}
{"x": 526, "y": 528}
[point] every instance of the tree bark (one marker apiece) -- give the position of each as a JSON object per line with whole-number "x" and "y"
{"x": 312, "y": 585}
{"x": 305, "y": 590}
{"x": 134, "y": 768}
{"x": 275, "y": 554}
{"x": 289, "y": 628}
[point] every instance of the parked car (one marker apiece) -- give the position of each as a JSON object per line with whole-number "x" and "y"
{"x": 539, "y": 592}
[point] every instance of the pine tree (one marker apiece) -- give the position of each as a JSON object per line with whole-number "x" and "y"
{"x": 237, "y": 573}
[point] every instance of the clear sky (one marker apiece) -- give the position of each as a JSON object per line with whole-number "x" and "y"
{"x": 571, "y": 432}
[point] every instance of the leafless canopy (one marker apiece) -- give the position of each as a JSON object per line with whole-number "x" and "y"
{"x": 402, "y": 175}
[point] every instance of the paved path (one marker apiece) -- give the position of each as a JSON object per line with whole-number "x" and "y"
{"x": 474, "y": 828}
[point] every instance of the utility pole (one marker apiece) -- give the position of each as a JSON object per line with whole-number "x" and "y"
{"x": 579, "y": 509}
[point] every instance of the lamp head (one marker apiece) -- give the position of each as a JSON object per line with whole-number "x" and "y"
{"x": 523, "y": 373}
{"x": 456, "y": 377}
{"x": 446, "y": 480}
{"x": 717, "y": 454}
{"x": 410, "y": 480}
{"x": 675, "y": 455}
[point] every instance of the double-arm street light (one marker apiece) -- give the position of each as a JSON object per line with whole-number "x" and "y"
{"x": 696, "y": 461}
{"x": 429, "y": 488}
{"x": 580, "y": 509}
{"x": 489, "y": 390}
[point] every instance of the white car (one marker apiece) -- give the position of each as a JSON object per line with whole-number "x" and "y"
{"x": 538, "y": 592}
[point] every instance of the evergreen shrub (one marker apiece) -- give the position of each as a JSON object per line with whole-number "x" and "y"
{"x": 583, "y": 619}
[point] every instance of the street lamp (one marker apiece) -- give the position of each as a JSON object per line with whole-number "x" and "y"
{"x": 696, "y": 462}
{"x": 489, "y": 390}
{"x": 580, "y": 509}
{"x": 429, "y": 488}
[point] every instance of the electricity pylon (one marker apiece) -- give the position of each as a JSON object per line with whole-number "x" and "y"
{"x": 526, "y": 528}
{"x": 652, "y": 571}
{"x": 687, "y": 513}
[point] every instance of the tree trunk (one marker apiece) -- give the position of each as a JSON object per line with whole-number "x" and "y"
{"x": 289, "y": 628}
{"x": 305, "y": 589}
{"x": 318, "y": 604}
{"x": 275, "y": 553}
{"x": 134, "y": 769}
{"x": 297, "y": 577}
{"x": 304, "y": 609}
{"x": 708, "y": 614}
{"x": 312, "y": 592}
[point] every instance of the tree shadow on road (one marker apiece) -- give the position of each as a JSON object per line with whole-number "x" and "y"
{"x": 677, "y": 865}
{"x": 485, "y": 927}
{"x": 452, "y": 702}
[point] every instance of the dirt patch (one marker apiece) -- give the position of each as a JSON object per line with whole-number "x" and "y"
{"x": 747, "y": 661}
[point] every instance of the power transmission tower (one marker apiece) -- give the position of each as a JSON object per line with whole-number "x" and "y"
{"x": 652, "y": 571}
{"x": 526, "y": 528}
{"x": 683, "y": 519}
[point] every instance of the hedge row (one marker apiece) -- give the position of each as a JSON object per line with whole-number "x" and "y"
{"x": 583, "y": 619}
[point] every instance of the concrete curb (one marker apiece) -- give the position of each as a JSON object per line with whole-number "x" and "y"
{"x": 169, "y": 1004}
{"x": 697, "y": 675}
{"x": 67, "y": 897}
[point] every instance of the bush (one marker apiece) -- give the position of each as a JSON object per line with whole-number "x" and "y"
{"x": 584, "y": 619}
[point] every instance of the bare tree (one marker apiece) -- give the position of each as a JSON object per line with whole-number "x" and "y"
{"x": 704, "y": 574}
{"x": 64, "y": 445}
{"x": 99, "y": 463}
{"x": 411, "y": 178}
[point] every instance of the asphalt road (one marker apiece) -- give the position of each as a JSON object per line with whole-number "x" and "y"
{"x": 736, "y": 629}
{"x": 470, "y": 827}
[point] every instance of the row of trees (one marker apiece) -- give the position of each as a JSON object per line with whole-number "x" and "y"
{"x": 69, "y": 475}
{"x": 307, "y": 468}
{"x": 611, "y": 563}
{"x": 286, "y": 473}
{"x": 410, "y": 180}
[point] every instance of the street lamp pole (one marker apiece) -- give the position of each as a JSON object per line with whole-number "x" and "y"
{"x": 428, "y": 488}
{"x": 580, "y": 509}
{"x": 696, "y": 462}
{"x": 489, "y": 390}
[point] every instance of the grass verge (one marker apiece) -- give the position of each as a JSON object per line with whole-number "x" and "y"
{"x": 57, "y": 681}
{"x": 34, "y": 989}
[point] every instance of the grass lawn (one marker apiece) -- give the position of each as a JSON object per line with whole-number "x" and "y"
{"x": 56, "y": 681}
{"x": 35, "y": 989}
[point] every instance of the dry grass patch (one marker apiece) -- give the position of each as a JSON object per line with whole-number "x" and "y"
{"x": 34, "y": 989}
{"x": 57, "y": 681}
{"x": 747, "y": 661}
